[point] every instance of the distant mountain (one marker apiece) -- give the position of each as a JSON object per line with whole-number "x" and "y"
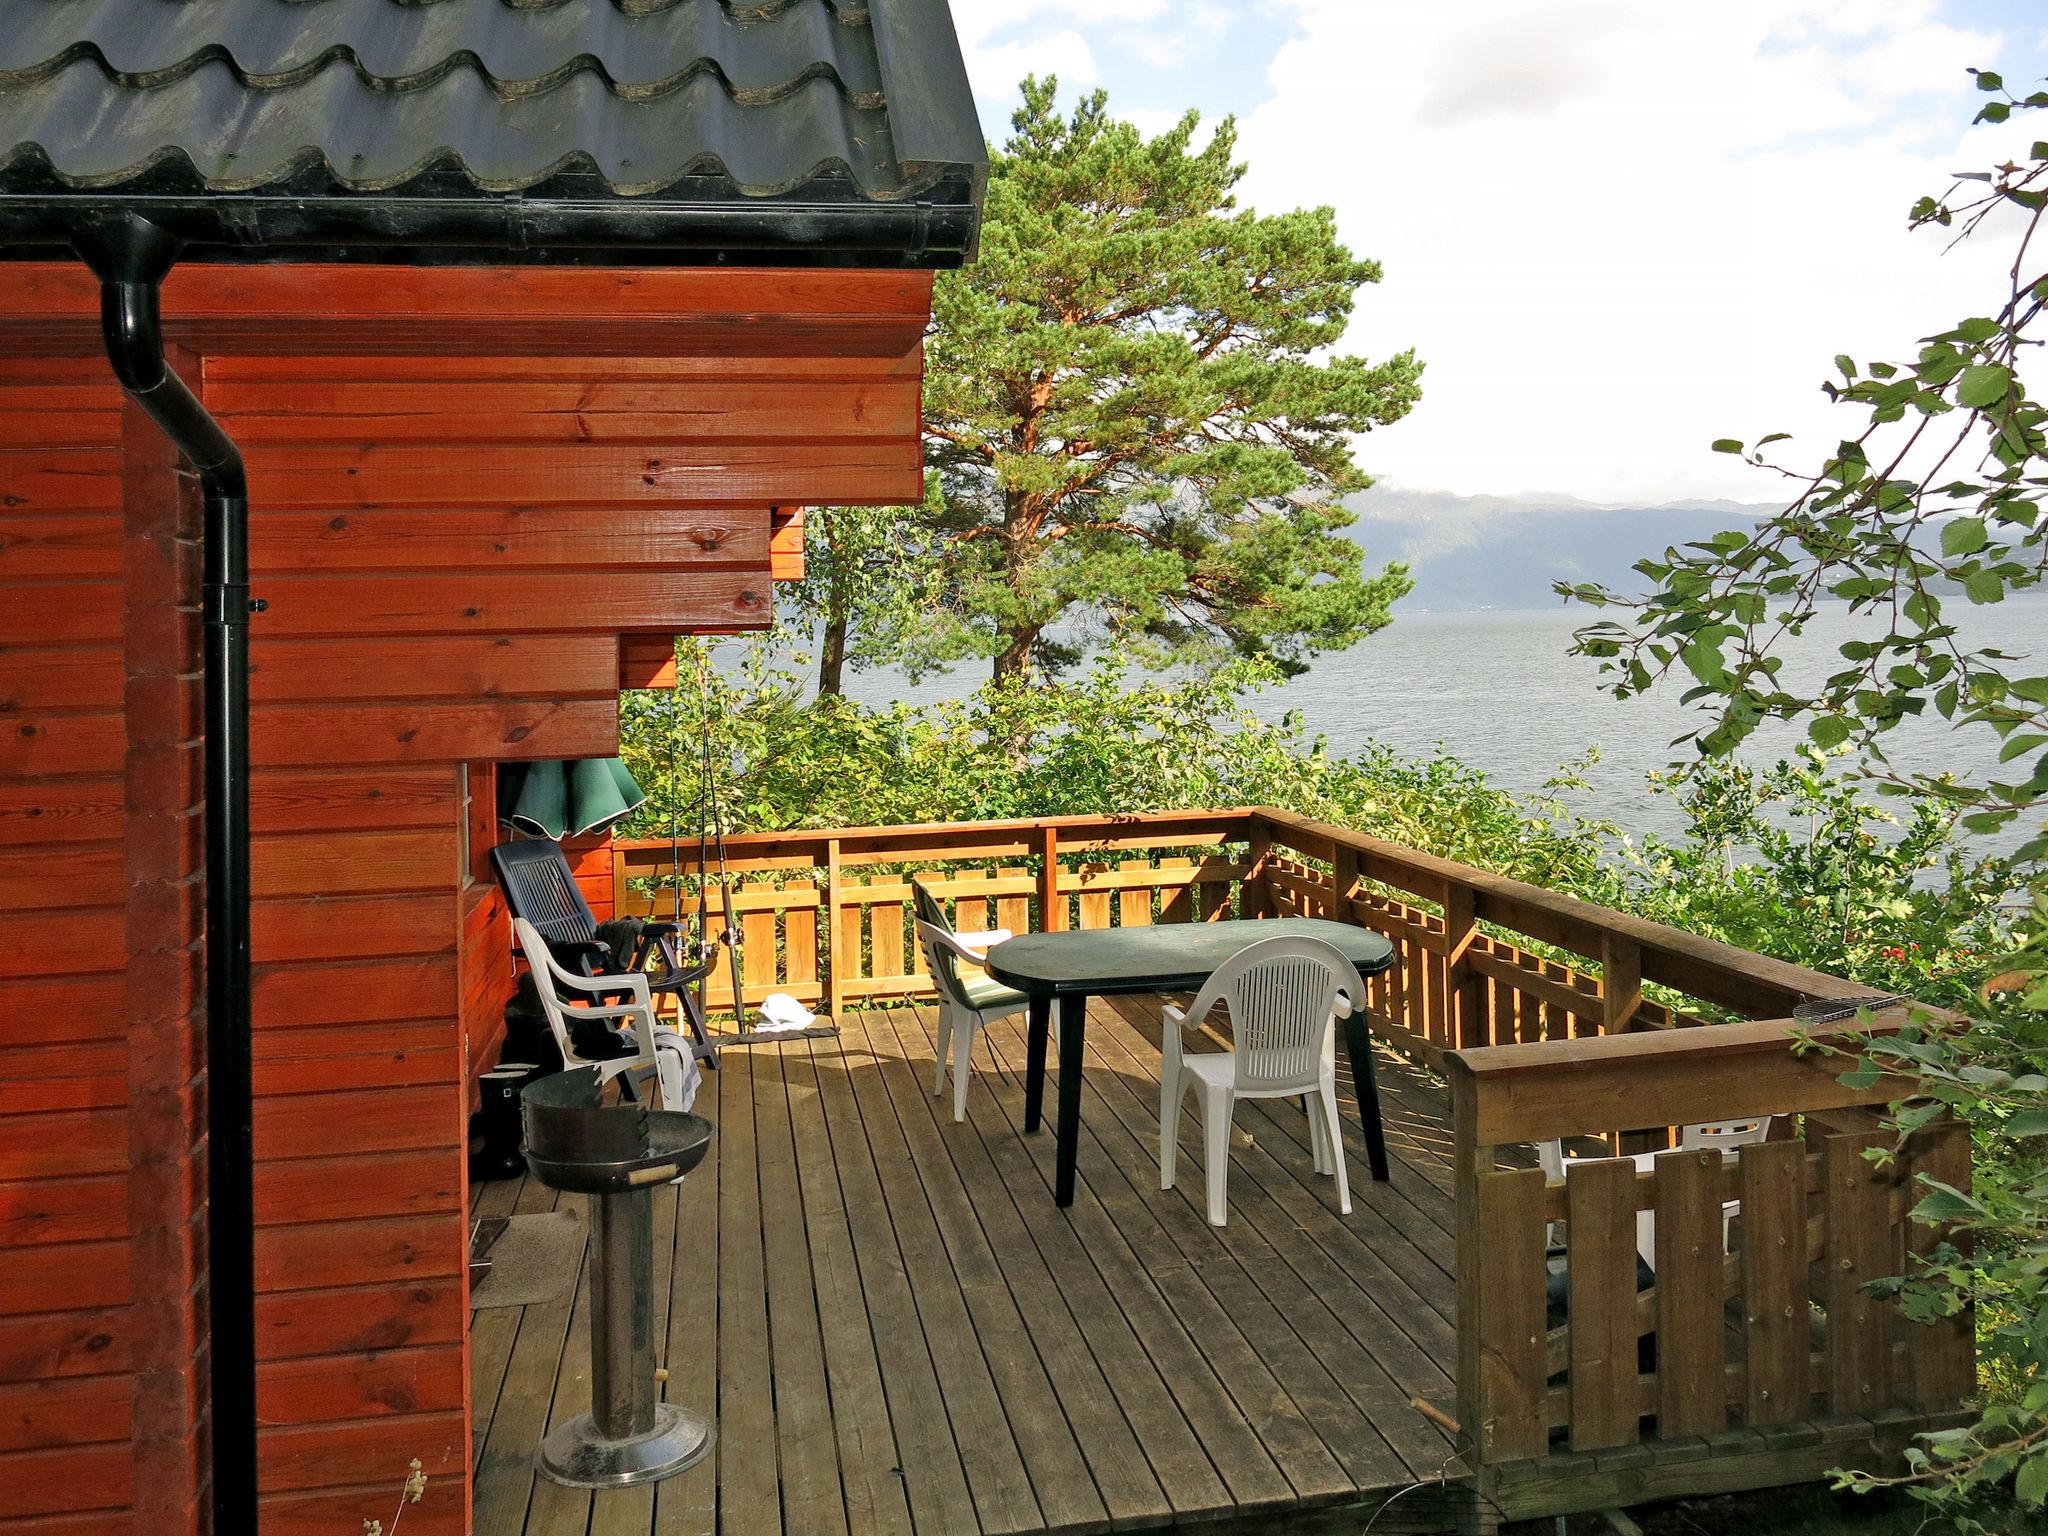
{"x": 1476, "y": 552}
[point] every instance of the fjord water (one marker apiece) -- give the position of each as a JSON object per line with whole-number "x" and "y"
{"x": 1499, "y": 692}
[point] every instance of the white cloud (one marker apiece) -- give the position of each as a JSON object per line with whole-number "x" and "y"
{"x": 995, "y": 68}
{"x": 1152, "y": 121}
{"x": 1194, "y": 27}
{"x": 1616, "y": 231}
{"x": 1005, "y": 40}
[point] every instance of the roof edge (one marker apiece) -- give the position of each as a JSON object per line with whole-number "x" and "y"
{"x": 509, "y": 230}
{"x": 932, "y": 118}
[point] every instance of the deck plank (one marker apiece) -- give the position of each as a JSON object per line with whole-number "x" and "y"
{"x": 687, "y": 1505}
{"x": 494, "y": 1330}
{"x": 868, "y": 1461}
{"x": 811, "y": 1498}
{"x": 553, "y": 1508}
{"x": 1073, "y": 1434}
{"x": 897, "y": 1332}
{"x": 1004, "y": 1500}
{"x": 1341, "y": 1395}
{"x": 1336, "y": 1318}
{"x": 934, "y": 1474}
{"x": 505, "y": 1476}
{"x": 1111, "y": 1286}
{"x": 749, "y": 1503}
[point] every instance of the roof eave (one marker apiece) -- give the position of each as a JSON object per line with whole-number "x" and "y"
{"x": 936, "y": 230}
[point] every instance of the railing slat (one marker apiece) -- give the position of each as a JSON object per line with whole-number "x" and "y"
{"x": 885, "y": 939}
{"x": 1177, "y": 902}
{"x": 1691, "y": 1388}
{"x": 1941, "y": 1363}
{"x": 1134, "y": 902}
{"x": 1600, "y": 1270}
{"x": 1013, "y": 910}
{"x": 836, "y": 967}
{"x": 1509, "y": 1252}
{"x": 1777, "y": 1335}
{"x": 759, "y": 961}
{"x": 1094, "y": 898}
{"x": 847, "y": 963}
{"x": 800, "y": 941}
{"x": 1860, "y": 1248}
{"x": 1052, "y": 901}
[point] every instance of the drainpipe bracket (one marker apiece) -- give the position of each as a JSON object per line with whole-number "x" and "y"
{"x": 228, "y": 603}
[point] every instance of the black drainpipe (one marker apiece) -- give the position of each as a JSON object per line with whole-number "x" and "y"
{"x": 130, "y": 256}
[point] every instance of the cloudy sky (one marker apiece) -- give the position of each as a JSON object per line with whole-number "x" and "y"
{"x": 1614, "y": 230}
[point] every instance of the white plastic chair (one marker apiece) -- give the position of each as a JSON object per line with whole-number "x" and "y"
{"x": 1284, "y": 997}
{"x": 966, "y": 1003}
{"x": 1728, "y": 1137}
{"x": 662, "y": 1056}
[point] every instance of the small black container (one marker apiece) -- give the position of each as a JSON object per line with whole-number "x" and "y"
{"x": 494, "y": 1130}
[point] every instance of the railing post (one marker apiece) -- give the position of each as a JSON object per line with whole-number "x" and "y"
{"x": 1255, "y": 898}
{"x": 1621, "y": 983}
{"x": 1499, "y": 1277}
{"x": 835, "y": 990}
{"x": 1052, "y": 906}
{"x": 1343, "y": 879}
{"x": 1464, "y": 988}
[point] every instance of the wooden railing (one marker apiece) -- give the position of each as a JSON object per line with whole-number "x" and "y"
{"x": 1750, "y": 1314}
{"x": 1553, "y": 1019}
{"x": 825, "y": 916}
{"x": 1746, "y": 1349}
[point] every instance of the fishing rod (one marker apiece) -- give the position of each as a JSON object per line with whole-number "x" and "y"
{"x": 711, "y": 845}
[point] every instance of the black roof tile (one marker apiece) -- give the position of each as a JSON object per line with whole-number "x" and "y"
{"x": 671, "y": 103}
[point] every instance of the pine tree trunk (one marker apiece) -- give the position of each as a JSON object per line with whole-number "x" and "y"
{"x": 838, "y": 603}
{"x": 832, "y": 655}
{"x": 1014, "y": 659}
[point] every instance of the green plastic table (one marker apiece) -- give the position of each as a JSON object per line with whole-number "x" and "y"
{"x": 1069, "y": 968}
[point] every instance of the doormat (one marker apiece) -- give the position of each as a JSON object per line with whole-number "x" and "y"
{"x": 535, "y": 1259}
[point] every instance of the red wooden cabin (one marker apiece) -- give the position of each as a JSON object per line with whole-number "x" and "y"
{"x": 511, "y": 421}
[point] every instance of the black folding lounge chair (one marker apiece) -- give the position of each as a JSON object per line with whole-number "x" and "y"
{"x": 538, "y": 885}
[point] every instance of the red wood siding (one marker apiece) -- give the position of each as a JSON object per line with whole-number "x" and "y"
{"x": 467, "y": 539}
{"x": 78, "y": 1354}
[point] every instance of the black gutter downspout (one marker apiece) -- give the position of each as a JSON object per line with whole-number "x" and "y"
{"x": 130, "y": 256}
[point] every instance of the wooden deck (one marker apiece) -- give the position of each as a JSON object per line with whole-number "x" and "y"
{"x": 896, "y": 1331}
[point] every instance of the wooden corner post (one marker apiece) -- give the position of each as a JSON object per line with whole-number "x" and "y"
{"x": 835, "y": 984}
{"x": 1255, "y": 898}
{"x": 1464, "y": 989}
{"x": 1052, "y": 904}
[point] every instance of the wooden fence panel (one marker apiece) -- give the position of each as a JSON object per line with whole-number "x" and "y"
{"x": 866, "y": 949}
{"x": 1134, "y": 902}
{"x": 800, "y": 944}
{"x": 1776, "y": 1329}
{"x": 1691, "y": 1384}
{"x": 1601, "y": 1274}
{"x": 1013, "y": 908}
{"x": 1509, "y": 1252}
{"x": 1094, "y": 899}
{"x": 1859, "y": 1249}
{"x": 885, "y": 940}
{"x": 1941, "y": 1365}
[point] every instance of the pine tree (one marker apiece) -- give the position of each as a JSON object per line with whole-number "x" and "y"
{"x": 1136, "y": 434}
